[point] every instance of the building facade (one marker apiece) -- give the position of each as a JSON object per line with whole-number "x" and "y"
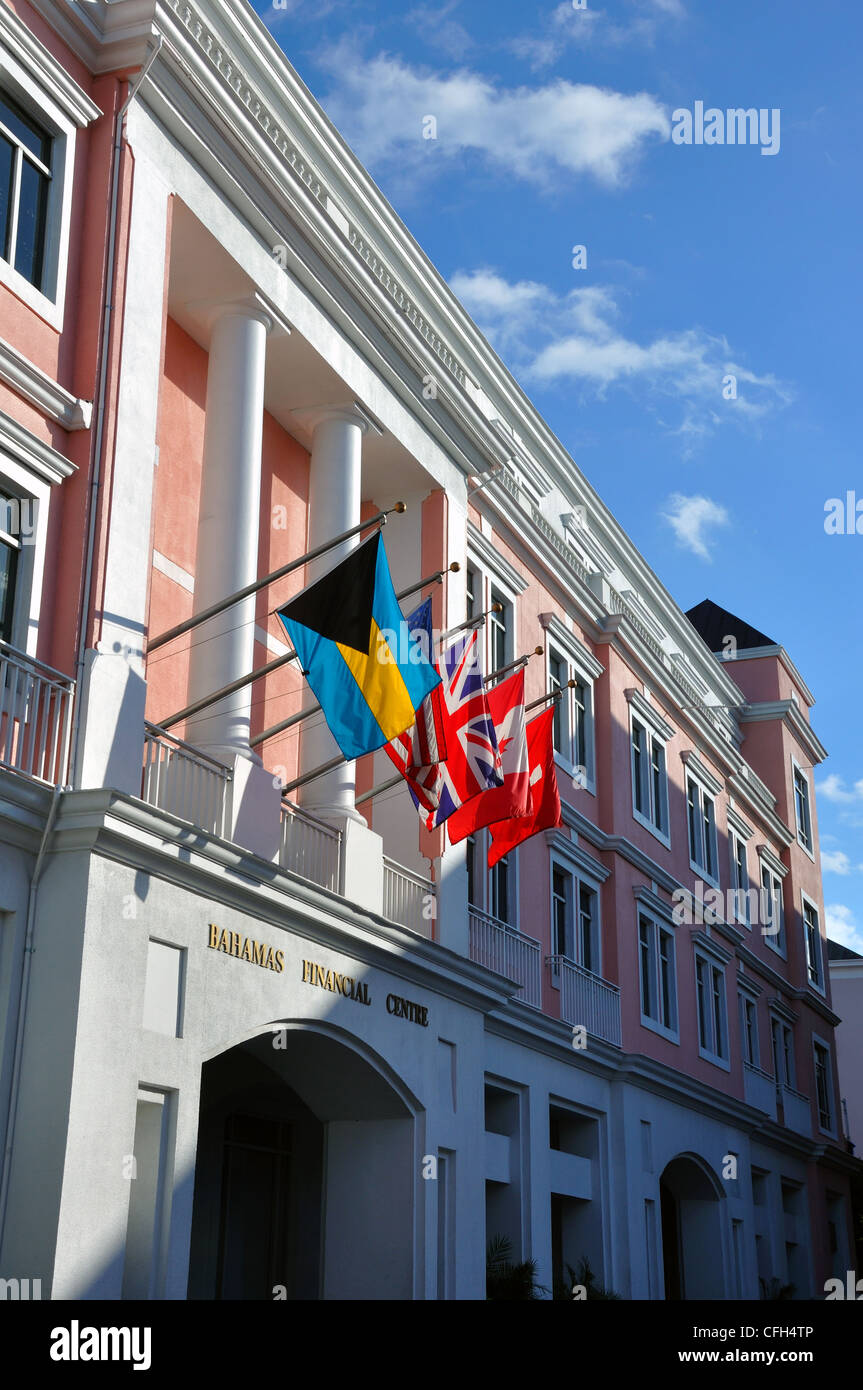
{"x": 265, "y": 1041}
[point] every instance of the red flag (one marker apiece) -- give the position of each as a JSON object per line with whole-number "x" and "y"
{"x": 420, "y": 751}
{"x": 506, "y": 706}
{"x": 545, "y": 810}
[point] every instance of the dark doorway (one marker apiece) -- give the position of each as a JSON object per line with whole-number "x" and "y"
{"x": 670, "y": 1243}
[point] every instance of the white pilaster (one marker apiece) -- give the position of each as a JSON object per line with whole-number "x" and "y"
{"x": 335, "y": 489}
{"x": 228, "y": 523}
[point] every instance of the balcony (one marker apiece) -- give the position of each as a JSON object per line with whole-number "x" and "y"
{"x": 796, "y": 1110}
{"x": 185, "y": 782}
{"x": 310, "y": 848}
{"x": 409, "y": 899}
{"x": 759, "y": 1089}
{"x": 35, "y": 717}
{"x": 501, "y": 948}
{"x": 586, "y": 1000}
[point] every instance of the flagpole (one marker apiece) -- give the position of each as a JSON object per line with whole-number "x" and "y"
{"x": 553, "y": 696}
{"x": 476, "y": 621}
{"x": 339, "y": 762}
{"x": 514, "y": 665}
{"x": 216, "y": 608}
{"x": 276, "y": 665}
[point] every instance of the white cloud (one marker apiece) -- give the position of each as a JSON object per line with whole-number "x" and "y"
{"x": 835, "y": 861}
{"x": 576, "y": 338}
{"x": 842, "y": 927}
{"x": 439, "y": 30}
{"x": 833, "y": 789}
{"x": 694, "y": 521}
{"x": 566, "y": 26}
{"x": 532, "y": 133}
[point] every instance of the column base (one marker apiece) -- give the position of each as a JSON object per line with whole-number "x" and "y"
{"x": 361, "y": 876}
{"x": 256, "y": 807}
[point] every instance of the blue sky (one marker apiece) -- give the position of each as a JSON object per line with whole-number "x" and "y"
{"x": 553, "y": 127}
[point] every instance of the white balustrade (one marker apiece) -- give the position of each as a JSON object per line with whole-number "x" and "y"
{"x": 587, "y": 1000}
{"x": 309, "y": 847}
{"x": 501, "y": 948}
{"x": 186, "y": 782}
{"x": 409, "y": 899}
{"x": 35, "y": 717}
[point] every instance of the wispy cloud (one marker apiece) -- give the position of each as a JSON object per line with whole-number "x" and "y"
{"x": 566, "y": 27}
{"x": 836, "y": 861}
{"x": 577, "y": 338}
{"x": 532, "y": 133}
{"x": 441, "y": 30}
{"x": 695, "y": 521}
{"x": 833, "y": 788}
{"x": 842, "y": 926}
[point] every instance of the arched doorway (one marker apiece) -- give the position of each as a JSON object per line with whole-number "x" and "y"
{"x": 305, "y": 1173}
{"x": 690, "y": 1203}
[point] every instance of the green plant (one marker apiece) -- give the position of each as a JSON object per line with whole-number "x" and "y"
{"x": 585, "y": 1277}
{"x": 774, "y": 1291}
{"x": 506, "y": 1282}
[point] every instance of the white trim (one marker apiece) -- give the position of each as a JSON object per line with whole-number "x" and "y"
{"x": 44, "y": 68}
{"x": 28, "y": 484}
{"x": 649, "y": 715}
{"x": 772, "y": 862}
{"x": 789, "y": 712}
{"x": 576, "y": 858}
{"x": 808, "y": 850}
{"x": 42, "y": 391}
{"x": 706, "y": 951}
{"x": 658, "y": 924}
{"x": 576, "y": 652}
{"x": 738, "y": 824}
{"x": 815, "y": 1038}
{"x": 704, "y": 795}
{"x": 40, "y": 459}
{"x": 559, "y": 858}
{"x": 821, "y": 986}
{"x": 164, "y": 566}
{"x": 696, "y": 769}
{"x": 494, "y": 563}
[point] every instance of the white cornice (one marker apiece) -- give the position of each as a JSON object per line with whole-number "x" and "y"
{"x": 754, "y": 653}
{"x": 696, "y": 767}
{"x": 107, "y": 35}
{"x": 493, "y": 561}
{"x": 561, "y": 845}
{"x": 26, "y": 449}
{"x": 736, "y": 822}
{"x": 651, "y": 716}
{"x": 789, "y": 712}
{"x": 577, "y": 652}
{"x": 772, "y": 862}
{"x": 44, "y": 69}
{"x": 43, "y": 391}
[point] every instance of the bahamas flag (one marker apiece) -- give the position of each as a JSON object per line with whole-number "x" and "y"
{"x": 369, "y": 675}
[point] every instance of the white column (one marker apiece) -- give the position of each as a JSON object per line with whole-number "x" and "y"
{"x": 228, "y": 522}
{"x": 335, "y": 489}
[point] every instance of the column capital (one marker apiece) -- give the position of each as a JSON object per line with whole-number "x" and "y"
{"x": 351, "y": 412}
{"x": 250, "y": 306}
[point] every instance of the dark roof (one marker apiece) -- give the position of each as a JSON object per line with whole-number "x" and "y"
{"x": 716, "y": 624}
{"x": 835, "y": 951}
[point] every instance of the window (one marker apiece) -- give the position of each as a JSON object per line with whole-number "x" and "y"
{"x": 702, "y": 829}
{"x": 649, "y": 783}
{"x": 26, "y": 152}
{"x": 772, "y": 910}
{"x": 812, "y": 933}
{"x": 500, "y": 886}
{"x": 710, "y": 1000}
{"x": 10, "y": 546}
{"x": 823, "y": 1086}
{"x": 573, "y": 714}
{"x": 500, "y": 633}
{"x": 658, "y": 975}
{"x": 472, "y": 593}
{"x": 739, "y": 877}
{"x": 575, "y": 919}
{"x": 472, "y": 881}
{"x": 801, "y": 804}
{"x": 782, "y": 1040}
{"x": 749, "y": 1030}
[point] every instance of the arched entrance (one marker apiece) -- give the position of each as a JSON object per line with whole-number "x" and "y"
{"x": 305, "y": 1174}
{"x": 692, "y": 1260}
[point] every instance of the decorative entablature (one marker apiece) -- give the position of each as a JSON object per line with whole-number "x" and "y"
{"x": 788, "y": 711}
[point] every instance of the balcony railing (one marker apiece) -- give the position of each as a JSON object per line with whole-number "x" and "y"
{"x": 501, "y": 948}
{"x": 35, "y": 717}
{"x": 409, "y": 898}
{"x": 310, "y": 848}
{"x": 759, "y": 1089}
{"x": 186, "y": 782}
{"x": 586, "y": 1000}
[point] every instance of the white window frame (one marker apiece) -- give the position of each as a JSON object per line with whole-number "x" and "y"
{"x": 736, "y": 842}
{"x": 578, "y": 879}
{"x": 705, "y": 798}
{"x": 39, "y": 84}
{"x": 831, "y": 1094}
{"x": 22, "y": 478}
{"x": 786, "y": 1030}
{"x": 748, "y": 1001}
{"x": 817, "y": 984}
{"x": 582, "y": 666}
{"x": 807, "y": 830}
{"x": 483, "y": 875}
{"x": 777, "y": 941}
{"x": 710, "y": 1053}
{"x": 658, "y": 927}
{"x": 657, "y": 734}
{"x": 494, "y": 575}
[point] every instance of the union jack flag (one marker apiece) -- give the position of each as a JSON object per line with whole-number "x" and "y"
{"x": 420, "y": 752}
{"x": 473, "y": 761}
